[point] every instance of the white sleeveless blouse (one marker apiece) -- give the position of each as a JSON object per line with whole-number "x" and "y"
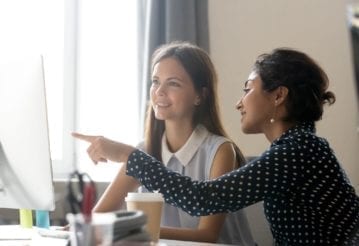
{"x": 195, "y": 159}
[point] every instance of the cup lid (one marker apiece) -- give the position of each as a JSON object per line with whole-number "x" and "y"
{"x": 146, "y": 196}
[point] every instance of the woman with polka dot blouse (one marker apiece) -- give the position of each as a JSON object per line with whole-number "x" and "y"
{"x": 307, "y": 197}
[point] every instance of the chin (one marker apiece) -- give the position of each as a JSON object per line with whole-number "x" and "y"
{"x": 245, "y": 131}
{"x": 159, "y": 117}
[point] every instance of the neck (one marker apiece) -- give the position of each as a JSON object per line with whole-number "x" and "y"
{"x": 276, "y": 129}
{"x": 177, "y": 134}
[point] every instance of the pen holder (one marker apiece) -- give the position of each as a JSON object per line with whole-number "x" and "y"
{"x": 26, "y": 218}
{"x": 89, "y": 233}
{"x": 42, "y": 219}
{"x": 81, "y": 230}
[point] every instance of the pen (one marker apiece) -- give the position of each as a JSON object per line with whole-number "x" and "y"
{"x": 88, "y": 201}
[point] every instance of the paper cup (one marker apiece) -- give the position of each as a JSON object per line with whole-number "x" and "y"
{"x": 151, "y": 205}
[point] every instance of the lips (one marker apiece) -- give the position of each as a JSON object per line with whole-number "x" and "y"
{"x": 161, "y": 105}
{"x": 242, "y": 114}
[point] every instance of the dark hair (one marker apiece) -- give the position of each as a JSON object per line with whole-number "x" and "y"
{"x": 200, "y": 68}
{"x": 306, "y": 81}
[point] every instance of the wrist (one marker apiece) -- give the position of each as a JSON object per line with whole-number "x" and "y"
{"x": 125, "y": 152}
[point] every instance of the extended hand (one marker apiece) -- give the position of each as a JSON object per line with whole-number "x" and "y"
{"x": 102, "y": 149}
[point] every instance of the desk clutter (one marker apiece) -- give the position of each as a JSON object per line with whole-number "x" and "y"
{"x": 112, "y": 228}
{"x": 19, "y": 235}
{"x": 89, "y": 228}
{"x": 108, "y": 228}
{"x": 129, "y": 226}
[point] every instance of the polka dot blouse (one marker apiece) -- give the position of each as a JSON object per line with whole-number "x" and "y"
{"x": 307, "y": 197}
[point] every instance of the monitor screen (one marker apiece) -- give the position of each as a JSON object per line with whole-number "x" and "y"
{"x": 25, "y": 161}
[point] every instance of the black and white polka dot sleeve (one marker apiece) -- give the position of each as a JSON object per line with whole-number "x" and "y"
{"x": 269, "y": 175}
{"x": 308, "y": 199}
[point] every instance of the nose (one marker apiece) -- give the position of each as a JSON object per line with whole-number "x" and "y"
{"x": 159, "y": 90}
{"x": 239, "y": 104}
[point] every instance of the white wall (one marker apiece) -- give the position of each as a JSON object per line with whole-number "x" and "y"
{"x": 240, "y": 30}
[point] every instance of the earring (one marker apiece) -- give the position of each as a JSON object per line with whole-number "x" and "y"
{"x": 272, "y": 120}
{"x": 198, "y": 102}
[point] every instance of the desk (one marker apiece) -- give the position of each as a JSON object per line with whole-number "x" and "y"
{"x": 186, "y": 243}
{"x": 165, "y": 242}
{"x": 14, "y": 235}
{"x": 31, "y": 237}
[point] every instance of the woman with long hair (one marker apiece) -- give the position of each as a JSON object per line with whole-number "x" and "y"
{"x": 184, "y": 131}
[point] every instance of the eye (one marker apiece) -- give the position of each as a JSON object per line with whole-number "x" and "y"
{"x": 246, "y": 90}
{"x": 174, "y": 83}
{"x": 155, "y": 82}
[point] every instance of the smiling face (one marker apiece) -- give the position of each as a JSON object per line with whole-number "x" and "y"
{"x": 173, "y": 95}
{"x": 256, "y": 106}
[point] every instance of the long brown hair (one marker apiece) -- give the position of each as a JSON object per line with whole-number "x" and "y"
{"x": 200, "y": 68}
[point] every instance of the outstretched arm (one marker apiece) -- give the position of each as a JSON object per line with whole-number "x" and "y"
{"x": 247, "y": 185}
{"x": 197, "y": 198}
{"x": 101, "y": 150}
{"x": 266, "y": 176}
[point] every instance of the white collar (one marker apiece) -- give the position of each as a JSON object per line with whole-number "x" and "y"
{"x": 187, "y": 151}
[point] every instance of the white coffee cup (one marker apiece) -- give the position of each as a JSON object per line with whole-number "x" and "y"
{"x": 151, "y": 204}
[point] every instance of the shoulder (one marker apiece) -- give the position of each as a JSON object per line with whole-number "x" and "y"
{"x": 224, "y": 160}
{"x": 301, "y": 142}
{"x": 209, "y": 141}
{"x": 141, "y": 145}
{"x": 226, "y": 150}
{"x": 213, "y": 140}
{"x": 296, "y": 150}
{"x": 217, "y": 144}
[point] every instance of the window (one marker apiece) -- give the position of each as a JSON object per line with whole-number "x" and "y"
{"x": 107, "y": 76}
{"x": 36, "y": 27}
{"x": 89, "y": 50}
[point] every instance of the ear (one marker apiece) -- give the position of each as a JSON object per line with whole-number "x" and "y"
{"x": 202, "y": 96}
{"x": 280, "y": 95}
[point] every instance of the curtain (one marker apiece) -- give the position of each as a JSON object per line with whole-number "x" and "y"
{"x": 163, "y": 21}
{"x": 355, "y": 48}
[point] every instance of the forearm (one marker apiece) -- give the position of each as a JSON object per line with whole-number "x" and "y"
{"x": 240, "y": 188}
{"x": 194, "y": 197}
{"x": 114, "y": 195}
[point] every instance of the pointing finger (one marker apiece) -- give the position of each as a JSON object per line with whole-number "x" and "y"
{"x": 83, "y": 137}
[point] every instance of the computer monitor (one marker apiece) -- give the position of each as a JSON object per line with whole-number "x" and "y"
{"x": 25, "y": 162}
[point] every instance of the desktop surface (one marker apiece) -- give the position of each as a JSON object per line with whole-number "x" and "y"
{"x": 16, "y": 235}
{"x": 187, "y": 243}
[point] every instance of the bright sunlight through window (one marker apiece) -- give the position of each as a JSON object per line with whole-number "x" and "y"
{"x": 106, "y": 79}
{"x": 107, "y": 76}
{"x": 36, "y": 27}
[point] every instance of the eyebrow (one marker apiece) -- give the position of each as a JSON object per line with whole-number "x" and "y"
{"x": 177, "y": 78}
{"x": 169, "y": 78}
